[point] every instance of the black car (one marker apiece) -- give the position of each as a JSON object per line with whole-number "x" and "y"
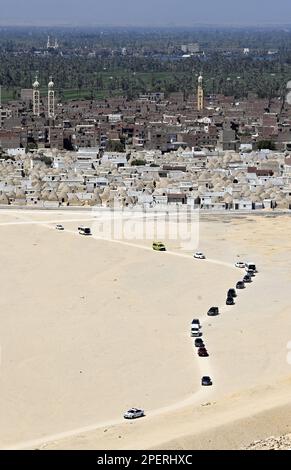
{"x": 206, "y": 381}
{"x": 230, "y": 301}
{"x": 250, "y": 273}
{"x": 247, "y": 279}
{"x": 202, "y": 352}
{"x": 198, "y": 343}
{"x": 213, "y": 312}
{"x": 232, "y": 293}
{"x": 240, "y": 285}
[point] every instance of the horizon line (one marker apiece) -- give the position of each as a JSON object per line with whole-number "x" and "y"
{"x": 42, "y": 24}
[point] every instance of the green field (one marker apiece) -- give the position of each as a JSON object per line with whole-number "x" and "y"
{"x": 118, "y": 82}
{"x": 8, "y": 94}
{"x": 111, "y": 86}
{"x": 75, "y": 94}
{"x": 65, "y": 95}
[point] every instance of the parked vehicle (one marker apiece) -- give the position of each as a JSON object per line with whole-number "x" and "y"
{"x": 240, "y": 264}
{"x": 232, "y": 293}
{"x": 202, "y": 352}
{"x": 230, "y": 301}
{"x": 213, "y": 312}
{"x": 251, "y": 267}
{"x": 247, "y": 279}
{"x": 206, "y": 381}
{"x": 134, "y": 413}
{"x": 59, "y": 227}
{"x": 199, "y": 255}
{"x": 84, "y": 231}
{"x": 240, "y": 285}
{"x": 250, "y": 273}
{"x": 195, "y": 332}
{"x": 196, "y": 329}
{"x": 199, "y": 343}
{"x": 159, "y": 246}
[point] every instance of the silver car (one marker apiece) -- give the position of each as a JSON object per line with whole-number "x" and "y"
{"x": 240, "y": 264}
{"x": 134, "y": 413}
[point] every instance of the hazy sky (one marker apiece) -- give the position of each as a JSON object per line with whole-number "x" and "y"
{"x": 145, "y": 12}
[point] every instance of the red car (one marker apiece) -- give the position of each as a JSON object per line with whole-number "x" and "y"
{"x": 202, "y": 352}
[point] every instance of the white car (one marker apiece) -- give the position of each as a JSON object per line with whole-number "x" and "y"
{"x": 196, "y": 329}
{"x": 196, "y": 322}
{"x": 59, "y": 227}
{"x": 134, "y": 413}
{"x": 240, "y": 264}
{"x": 199, "y": 255}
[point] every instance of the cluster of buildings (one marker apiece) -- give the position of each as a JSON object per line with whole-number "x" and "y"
{"x": 153, "y": 121}
{"x": 209, "y": 180}
{"x": 208, "y": 152}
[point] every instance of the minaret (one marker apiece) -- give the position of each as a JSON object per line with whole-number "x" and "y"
{"x": 36, "y": 97}
{"x": 200, "y": 93}
{"x": 48, "y": 42}
{"x": 51, "y": 99}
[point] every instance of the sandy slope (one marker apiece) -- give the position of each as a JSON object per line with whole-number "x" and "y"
{"x": 89, "y": 328}
{"x": 230, "y": 423}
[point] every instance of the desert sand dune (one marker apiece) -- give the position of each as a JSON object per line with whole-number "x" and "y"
{"x": 89, "y": 328}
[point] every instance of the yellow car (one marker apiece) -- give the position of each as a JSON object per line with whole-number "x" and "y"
{"x": 158, "y": 246}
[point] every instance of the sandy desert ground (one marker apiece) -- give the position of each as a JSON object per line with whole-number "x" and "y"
{"x": 89, "y": 328}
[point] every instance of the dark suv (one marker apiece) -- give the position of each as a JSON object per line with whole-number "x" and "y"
{"x": 202, "y": 352}
{"x": 213, "y": 312}
{"x": 232, "y": 293}
{"x": 229, "y": 301}
{"x": 240, "y": 285}
{"x": 206, "y": 381}
{"x": 199, "y": 343}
